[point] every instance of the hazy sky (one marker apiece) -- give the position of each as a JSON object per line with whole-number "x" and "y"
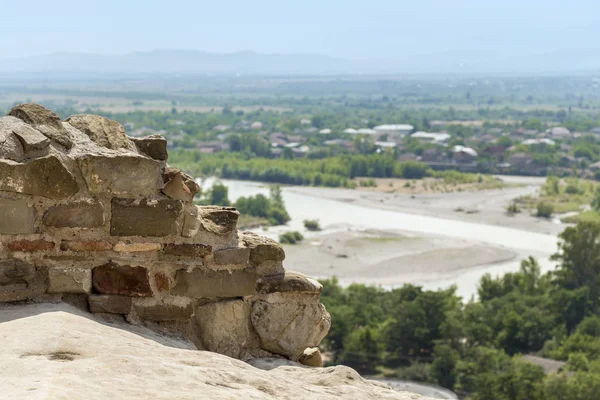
{"x": 366, "y": 29}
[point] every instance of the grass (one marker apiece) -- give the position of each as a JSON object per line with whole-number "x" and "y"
{"x": 250, "y": 222}
{"x": 586, "y": 216}
{"x": 559, "y": 197}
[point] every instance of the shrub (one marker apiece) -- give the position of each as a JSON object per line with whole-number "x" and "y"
{"x": 291, "y": 237}
{"x": 312, "y": 224}
{"x": 513, "y": 208}
{"x": 544, "y": 209}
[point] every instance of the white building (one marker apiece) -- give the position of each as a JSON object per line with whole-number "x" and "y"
{"x": 366, "y": 131}
{"x": 325, "y": 131}
{"x": 394, "y": 129}
{"x": 431, "y": 137}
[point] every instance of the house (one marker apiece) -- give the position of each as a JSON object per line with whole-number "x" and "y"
{"x": 385, "y": 145}
{"x": 520, "y": 161}
{"x": 567, "y": 161}
{"x": 394, "y": 129}
{"x": 351, "y": 131}
{"x": 407, "y": 157}
{"x": 325, "y": 131}
{"x": 595, "y": 166}
{"x": 221, "y": 128}
{"x": 305, "y": 122}
{"x": 365, "y": 131}
{"x": 437, "y": 138}
{"x": 464, "y": 155}
{"x": 256, "y": 125}
{"x": 558, "y": 132}
{"x": 432, "y": 155}
{"x": 531, "y": 142}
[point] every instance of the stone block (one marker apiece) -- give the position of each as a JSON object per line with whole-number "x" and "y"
{"x": 15, "y": 271}
{"x": 69, "y": 280}
{"x": 11, "y": 148}
{"x": 85, "y": 245}
{"x": 162, "y": 282}
{"x": 45, "y": 177}
{"x": 176, "y": 189}
{"x": 75, "y": 215}
{"x": 311, "y": 357}
{"x": 192, "y": 250}
{"x": 136, "y": 247}
{"x": 30, "y": 245}
{"x": 200, "y": 283}
{"x": 232, "y": 256}
{"x": 122, "y": 174}
{"x": 16, "y": 217}
{"x": 20, "y": 280}
{"x": 43, "y": 120}
{"x": 221, "y": 221}
{"x": 154, "y": 146}
{"x": 109, "y": 304}
{"x": 102, "y": 131}
{"x": 262, "y": 249}
{"x": 290, "y": 282}
{"x": 144, "y": 217}
{"x": 225, "y": 328}
{"x": 124, "y": 280}
{"x": 31, "y": 139}
{"x": 162, "y": 311}
{"x": 191, "y": 222}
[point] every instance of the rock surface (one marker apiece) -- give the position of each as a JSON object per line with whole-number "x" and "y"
{"x": 69, "y": 354}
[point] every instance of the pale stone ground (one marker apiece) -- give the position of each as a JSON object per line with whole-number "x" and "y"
{"x": 55, "y": 351}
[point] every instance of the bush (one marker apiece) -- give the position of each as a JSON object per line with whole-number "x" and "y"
{"x": 291, "y": 237}
{"x": 312, "y": 225}
{"x": 513, "y": 208}
{"x": 544, "y": 209}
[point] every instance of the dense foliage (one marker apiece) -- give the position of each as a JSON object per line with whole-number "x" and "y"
{"x": 476, "y": 348}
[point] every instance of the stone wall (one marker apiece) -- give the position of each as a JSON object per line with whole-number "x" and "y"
{"x": 92, "y": 216}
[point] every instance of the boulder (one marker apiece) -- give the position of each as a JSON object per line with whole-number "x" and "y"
{"x": 144, "y": 217}
{"x": 102, "y": 131}
{"x": 45, "y": 121}
{"x": 31, "y": 139}
{"x": 120, "y": 174}
{"x": 44, "y": 177}
{"x": 81, "y": 214}
{"x": 289, "y": 323}
{"x": 16, "y": 216}
{"x": 123, "y": 280}
{"x": 199, "y": 283}
{"x": 225, "y": 328}
{"x": 11, "y": 148}
{"x": 154, "y": 146}
{"x": 311, "y": 357}
{"x": 262, "y": 249}
{"x": 221, "y": 221}
{"x": 290, "y": 282}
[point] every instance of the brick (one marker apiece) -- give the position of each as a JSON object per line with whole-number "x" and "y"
{"x": 69, "y": 280}
{"x": 187, "y": 249}
{"x": 136, "y": 247}
{"x": 234, "y": 255}
{"x": 199, "y": 283}
{"x": 75, "y": 215}
{"x": 154, "y": 146}
{"x": 163, "y": 312}
{"x": 124, "y": 280}
{"x": 162, "y": 281}
{"x": 30, "y": 245}
{"x": 145, "y": 217}
{"x": 16, "y": 217}
{"x": 85, "y": 245}
{"x": 109, "y": 304}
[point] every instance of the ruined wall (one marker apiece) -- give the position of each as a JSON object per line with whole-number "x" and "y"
{"x": 88, "y": 214}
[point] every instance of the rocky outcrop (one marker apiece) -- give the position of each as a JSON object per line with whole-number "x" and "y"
{"x": 90, "y": 215}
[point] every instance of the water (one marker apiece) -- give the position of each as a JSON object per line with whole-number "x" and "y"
{"x": 337, "y": 215}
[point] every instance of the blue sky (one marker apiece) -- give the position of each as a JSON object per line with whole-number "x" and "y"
{"x": 373, "y": 29}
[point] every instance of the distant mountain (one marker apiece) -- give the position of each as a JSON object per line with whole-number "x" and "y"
{"x": 252, "y": 63}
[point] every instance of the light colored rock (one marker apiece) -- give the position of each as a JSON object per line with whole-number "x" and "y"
{"x": 199, "y": 283}
{"x": 289, "y": 282}
{"x": 154, "y": 146}
{"x": 81, "y": 214}
{"x": 144, "y": 217}
{"x": 69, "y": 280}
{"x": 102, "y": 131}
{"x": 221, "y": 221}
{"x": 261, "y": 248}
{"x": 175, "y": 188}
{"x": 191, "y": 222}
{"x": 311, "y": 358}
{"x": 16, "y": 217}
{"x": 232, "y": 256}
{"x": 54, "y": 351}
{"x": 10, "y": 148}
{"x": 289, "y": 323}
{"x": 44, "y": 121}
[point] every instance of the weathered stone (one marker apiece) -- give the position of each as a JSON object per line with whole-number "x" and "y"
{"x": 31, "y": 139}
{"x": 289, "y": 323}
{"x": 154, "y": 146}
{"x": 195, "y": 250}
{"x": 45, "y": 176}
{"x": 122, "y": 174}
{"x": 102, "y": 131}
{"x": 191, "y": 222}
{"x": 312, "y": 358}
{"x": 16, "y": 216}
{"x": 225, "y": 328}
{"x": 172, "y": 173}
{"x": 11, "y": 148}
{"x": 162, "y": 281}
{"x": 136, "y": 247}
{"x": 30, "y": 245}
{"x": 221, "y": 221}
{"x": 85, "y": 245}
{"x": 232, "y": 256}
{"x": 150, "y": 310}
{"x": 199, "y": 283}
{"x": 176, "y": 189}
{"x": 69, "y": 280}
{"x": 15, "y": 271}
{"x": 262, "y": 248}
{"x": 144, "y": 217}
{"x": 75, "y": 215}
{"x": 109, "y": 304}
{"x": 125, "y": 280}
{"x": 191, "y": 183}
{"x": 43, "y": 120}
{"x": 289, "y": 282}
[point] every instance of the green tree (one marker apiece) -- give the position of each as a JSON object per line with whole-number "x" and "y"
{"x": 443, "y": 367}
